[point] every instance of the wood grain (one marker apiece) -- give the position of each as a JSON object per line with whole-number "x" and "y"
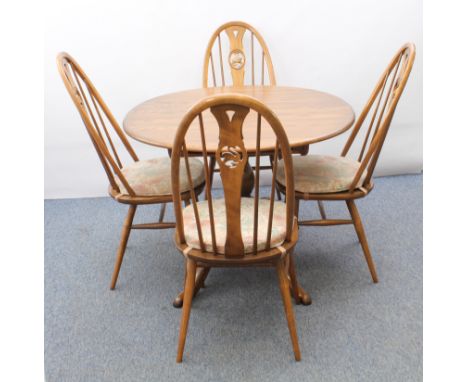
{"x": 374, "y": 122}
{"x": 308, "y": 116}
{"x": 100, "y": 123}
{"x": 230, "y": 112}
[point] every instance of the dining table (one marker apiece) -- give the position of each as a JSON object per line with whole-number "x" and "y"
{"x": 308, "y": 116}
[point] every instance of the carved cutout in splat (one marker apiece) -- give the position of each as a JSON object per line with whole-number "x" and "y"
{"x": 244, "y": 54}
{"x": 232, "y": 158}
{"x": 237, "y": 59}
{"x": 237, "y": 54}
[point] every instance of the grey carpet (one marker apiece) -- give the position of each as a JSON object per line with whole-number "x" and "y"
{"x": 353, "y": 331}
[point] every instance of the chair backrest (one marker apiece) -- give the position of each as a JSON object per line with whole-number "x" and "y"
{"x": 230, "y": 111}
{"x": 96, "y": 117}
{"x": 237, "y": 46}
{"x": 378, "y": 112}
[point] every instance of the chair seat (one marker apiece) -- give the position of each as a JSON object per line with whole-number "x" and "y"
{"x": 278, "y": 230}
{"x": 321, "y": 174}
{"x": 153, "y": 177}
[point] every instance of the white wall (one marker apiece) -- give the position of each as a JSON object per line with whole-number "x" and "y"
{"x": 135, "y": 50}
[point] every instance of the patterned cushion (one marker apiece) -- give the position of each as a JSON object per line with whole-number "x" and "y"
{"x": 278, "y": 230}
{"x": 320, "y": 174}
{"x": 153, "y": 177}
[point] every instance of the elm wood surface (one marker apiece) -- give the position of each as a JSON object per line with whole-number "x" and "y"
{"x": 236, "y": 47}
{"x": 239, "y": 47}
{"x": 373, "y": 124}
{"x": 230, "y": 112}
{"x": 101, "y": 125}
{"x": 308, "y": 116}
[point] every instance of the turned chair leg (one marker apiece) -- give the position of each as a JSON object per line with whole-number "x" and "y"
{"x": 162, "y": 211}
{"x": 291, "y": 270}
{"x": 288, "y": 308}
{"x": 362, "y": 238}
{"x": 123, "y": 244}
{"x": 321, "y": 209}
{"x": 188, "y": 294}
{"x": 199, "y": 283}
{"x": 296, "y": 208}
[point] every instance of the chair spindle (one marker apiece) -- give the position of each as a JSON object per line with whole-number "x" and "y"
{"x": 193, "y": 197}
{"x": 221, "y": 60}
{"x": 272, "y": 195}
{"x": 257, "y": 181}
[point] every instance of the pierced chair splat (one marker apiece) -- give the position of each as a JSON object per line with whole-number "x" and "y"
{"x": 235, "y": 231}
{"x": 237, "y": 55}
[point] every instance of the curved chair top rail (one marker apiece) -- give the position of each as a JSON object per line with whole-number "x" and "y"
{"x": 378, "y": 112}
{"x": 240, "y": 48}
{"x": 96, "y": 116}
{"x": 230, "y": 111}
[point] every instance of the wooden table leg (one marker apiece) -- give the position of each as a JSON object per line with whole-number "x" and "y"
{"x": 248, "y": 181}
{"x": 298, "y": 293}
{"x": 304, "y": 297}
{"x": 200, "y": 278}
{"x": 248, "y": 178}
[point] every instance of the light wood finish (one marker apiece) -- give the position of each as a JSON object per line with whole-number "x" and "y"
{"x": 123, "y": 243}
{"x": 188, "y": 296}
{"x": 362, "y": 238}
{"x": 230, "y": 112}
{"x": 237, "y": 48}
{"x": 243, "y": 40}
{"x": 309, "y": 116}
{"x": 288, "y": 309}
{"x": 107, "y": 138}
{"x": 372, "y": 124}
{"x": 199, "y": 283}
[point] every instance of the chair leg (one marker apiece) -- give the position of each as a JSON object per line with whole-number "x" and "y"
{"x": 321, "y": 209}
{"x": 123, "y": 244}
{"x": 296, "y": 208}
{"x": 362, "y": 238}
{"x": 278, "y": 192}
{"x": 288, "y": 308}
{"x": 293, "y": 278}
{"x": 199, "y": 283}
{"x": 188, "y": 294}
{"x": 162, "y": 211}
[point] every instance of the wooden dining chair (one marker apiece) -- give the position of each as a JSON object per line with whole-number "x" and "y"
{"x": 237, "y": 55}
{"x": 235, "y": 231}
{"x": 329, "y": 178}
{"x": 139, "y": 182}
{"x": 237, "y": 48}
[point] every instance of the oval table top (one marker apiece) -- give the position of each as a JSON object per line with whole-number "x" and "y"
{"x": 308, "y": 116}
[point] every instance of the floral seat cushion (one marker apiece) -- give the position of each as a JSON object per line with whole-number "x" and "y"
{"x": 153, "y": 177}
{"x": 320, "y": 174}
{"x": 278, "y": 231}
